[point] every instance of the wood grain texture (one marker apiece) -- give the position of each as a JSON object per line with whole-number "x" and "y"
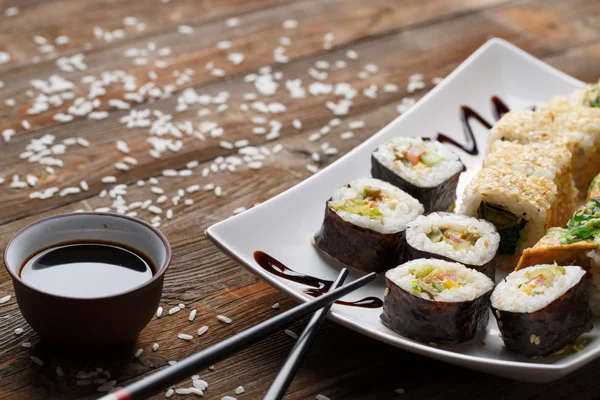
{"x": 430, "y": 37}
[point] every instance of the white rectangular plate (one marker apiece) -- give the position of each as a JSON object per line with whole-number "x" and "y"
{"x": 283, "y": 226}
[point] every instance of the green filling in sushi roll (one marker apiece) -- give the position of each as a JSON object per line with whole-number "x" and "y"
{"x": 508, "y": 225}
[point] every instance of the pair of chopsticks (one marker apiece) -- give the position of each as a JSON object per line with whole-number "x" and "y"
{"x": 187, "y": 367}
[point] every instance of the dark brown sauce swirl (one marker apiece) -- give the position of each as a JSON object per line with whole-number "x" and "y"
{"x": 499, "y": 108}
{"x": 318, "y": 286}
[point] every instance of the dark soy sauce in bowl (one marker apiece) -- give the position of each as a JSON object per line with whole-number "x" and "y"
{"x": 87, "y": 269}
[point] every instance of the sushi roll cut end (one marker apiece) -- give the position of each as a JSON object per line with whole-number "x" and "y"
{"x": 470, "y": 241}
{"x": 364, "y": 225}
{"x": 426, "y": 169}
{"x": 436, "y": 301}
{"x": 542, "y": 308}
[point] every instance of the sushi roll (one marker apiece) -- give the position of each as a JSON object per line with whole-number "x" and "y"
{"x": 521, "y": 207}
{"x": 540, "y": 309}
{"x": 436, "y": 301}
{"x": 364, "y": 224}
{"x": 426, "y": 169}
{"x": 547, "y": 160}
{"x": 576, "y": 128}
{"x": 470, "y": 241}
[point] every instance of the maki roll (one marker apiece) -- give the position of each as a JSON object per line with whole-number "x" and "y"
{"x": 540, "y": 309}
{"x": 364, "y": 224}
{"x": 470, "y": 241}
{"x": 436, "y": 301}
{"x": 547, "y": 160}
{"x": 521, "y": 207}
{"x": 575, "y": 127}
{"x": 425, "y": 169}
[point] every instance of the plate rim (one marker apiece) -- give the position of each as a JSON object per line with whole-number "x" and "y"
{"x": 554, "y": 371}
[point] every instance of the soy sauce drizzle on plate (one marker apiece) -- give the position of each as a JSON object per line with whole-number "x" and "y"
{"x": 499, "y": 108}
{"x": 319, "y": 286}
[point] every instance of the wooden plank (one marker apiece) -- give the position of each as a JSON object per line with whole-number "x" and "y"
{"x": 398, "y": 55}
{"x": 77, "y": 20}
{"x": 265, "y": 26}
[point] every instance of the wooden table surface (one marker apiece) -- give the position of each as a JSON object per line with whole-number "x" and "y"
{"x": 179, "y": 66}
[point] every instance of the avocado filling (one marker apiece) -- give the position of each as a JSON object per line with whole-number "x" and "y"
{"x": 508, "y": 225}
{"x": 591, "y": 98}
{"x": 416, "y": 158}
{"x": 367, "y": 205}
{"x": 431, "y": 280}
{"x": 458, "y": 239}
{"x": 535, "y": 282}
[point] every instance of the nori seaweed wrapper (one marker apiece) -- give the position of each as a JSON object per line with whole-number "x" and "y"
{"x": 358, "y": 247}
{"x": 437, "y": 198}
{"x": 556, "y": 325}
{"x": 488, "y": 269}
{"x": 434, "y": 321}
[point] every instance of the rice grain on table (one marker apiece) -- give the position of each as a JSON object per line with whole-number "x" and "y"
{"x": 155, "y": 346}
{"x": 37, "y": 360}
{"x": 224, "y": 319}
{"x": 159, "y": 312}
{"x": 291, "y": 334}
{"x": 184, "y": 336}
{"x": 321, "y": 397}
{"x": 239, "y": 390}
{"x": 26, "y": 344}
{"x": 192, "y": 315}
{"x": 183, "y": 391}
{"x": 174, "y": 310}
{"x": 138, "y": 353}
{"x": 202, "y": 330}
{"x": 5, "y": 299}
{"x": 169, "y": 393}
{"x": 228, "y": 398}
{"x": 18, "y": 331}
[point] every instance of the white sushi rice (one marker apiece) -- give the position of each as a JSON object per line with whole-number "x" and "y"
{"x": 480, "y": 253}
{"x": 432, "y": 176}
{"x": 509, "y": 297}
{"x": 396, "y": 214}
{"x": 475, "y": 284}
